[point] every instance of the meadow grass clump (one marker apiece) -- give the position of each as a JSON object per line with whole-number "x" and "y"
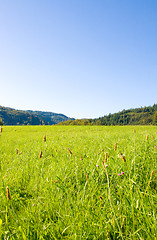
{"x": 79, "y": 186}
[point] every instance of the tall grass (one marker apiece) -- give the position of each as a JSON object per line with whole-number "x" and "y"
{"x": 90, "y": 182}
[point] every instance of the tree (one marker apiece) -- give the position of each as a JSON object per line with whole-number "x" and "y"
{"x": 1, "y": 123}
{"x": 155, "y": 118}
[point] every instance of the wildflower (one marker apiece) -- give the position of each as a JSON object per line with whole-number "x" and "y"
{"x": 33, "y": 204}
{"x": 119, "y": 174}
{"x": 97, "y": 166}
{"x": 155, "y": 146}
{"x": 106, "y": 166}
{"x": 122, "y": 173}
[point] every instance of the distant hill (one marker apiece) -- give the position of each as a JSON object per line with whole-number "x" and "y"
{"x": 10, "y": 116}
{"x": 137, "y": 116}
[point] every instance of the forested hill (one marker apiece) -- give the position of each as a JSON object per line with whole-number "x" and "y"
{"x": 137, "y": 116}
{"x": 10, "y": 116}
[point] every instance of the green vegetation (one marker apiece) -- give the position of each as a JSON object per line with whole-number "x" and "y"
{"x": 1, "y": 122}
{"x": 11, "y": 116}
{"x": 69, "y": 192}
{"x": 137, "y": 116}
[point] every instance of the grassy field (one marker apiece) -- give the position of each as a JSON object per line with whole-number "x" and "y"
{"x": 89, "y": 182}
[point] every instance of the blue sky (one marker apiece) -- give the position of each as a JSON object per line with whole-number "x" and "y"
{"x": 82, "y": 58}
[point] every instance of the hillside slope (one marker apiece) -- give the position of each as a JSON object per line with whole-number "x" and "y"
{"x": 10, "y": 116}
{"x": 137, "y": 116}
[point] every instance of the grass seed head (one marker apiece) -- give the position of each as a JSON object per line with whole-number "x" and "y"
{"x": 106, "y": 156}
{"x": 8, "y": 193}
{"x": 123, "y": 157}
{"x": 16, "y": 151}
{"x": 152, "y": 173}
{"x": 115, "y": 147}
{"x": 147, "y": 136}
{"x": 44, "y": 138}
{"x": 40, "y": 154}
{"x": 69, "y": 151}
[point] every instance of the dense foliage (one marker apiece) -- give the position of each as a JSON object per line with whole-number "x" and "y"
{"x": 1, "y": 122}
{"x": 137, "y": 116}
{"x": 69, "y": 182}
{"x": 11, "y": 116}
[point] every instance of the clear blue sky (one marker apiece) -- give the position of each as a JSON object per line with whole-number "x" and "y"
{"x": 82, "y": 58}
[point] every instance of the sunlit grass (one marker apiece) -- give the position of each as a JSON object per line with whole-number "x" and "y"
{"x": 68, "y": 192}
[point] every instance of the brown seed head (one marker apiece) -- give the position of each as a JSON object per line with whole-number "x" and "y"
{"x": 123, "y": 158}
{"x": 16, "y": 151}
{"x": 69, "y": 151}
{"x": 152, "y": 173}
{"x": 44, "y": 138}
{"x": 106, "y": 156}
{"x": 115, "y": 147}
{"x": 100, "y": 197}
{"x": 8, "y": 193}
{"x": 54, "y": 181}
{"x": 147, "y": 137}
{"x": 134, "y": 130}
{"x": 0, "y": 129}
{"x": 40, "y": 154}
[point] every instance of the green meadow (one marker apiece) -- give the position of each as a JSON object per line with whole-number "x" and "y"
{"x": 89, "y": 182}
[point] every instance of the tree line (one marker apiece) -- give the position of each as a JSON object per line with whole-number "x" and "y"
{"x": 137, "y": 116}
